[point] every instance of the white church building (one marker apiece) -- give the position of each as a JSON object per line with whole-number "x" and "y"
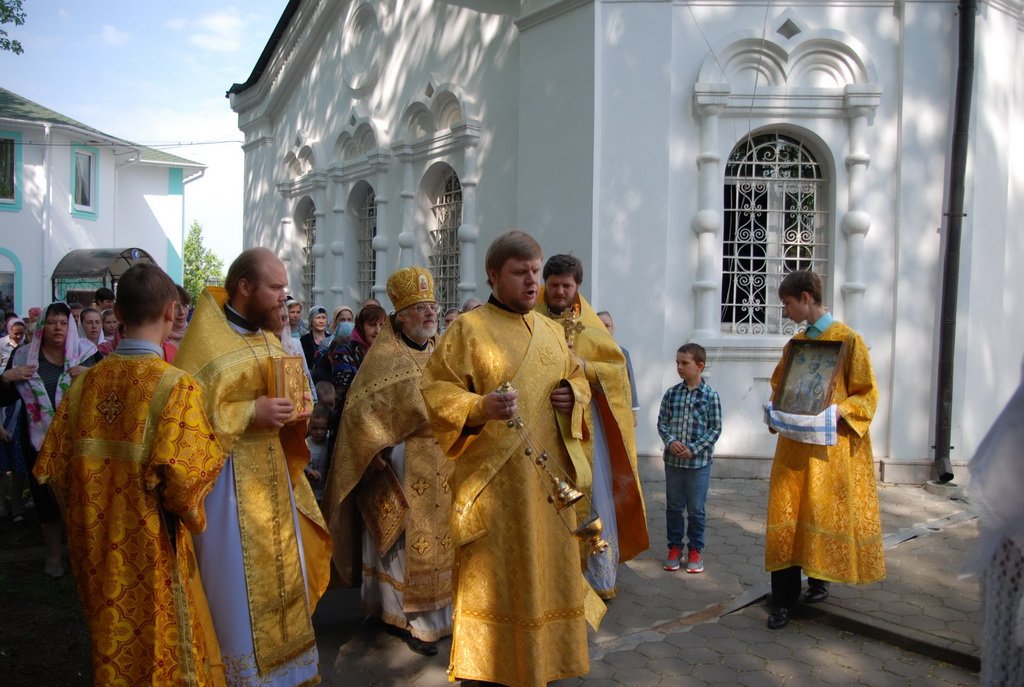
{"x": 689, "y": 154}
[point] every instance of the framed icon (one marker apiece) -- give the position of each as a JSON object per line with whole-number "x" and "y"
{"x": 810, "y": 370}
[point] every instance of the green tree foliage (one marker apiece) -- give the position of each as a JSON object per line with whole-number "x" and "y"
{"x": 11, "y": 12}
{"x": 202, "y": 266}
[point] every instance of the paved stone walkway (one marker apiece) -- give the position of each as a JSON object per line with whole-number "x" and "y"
{"x": 917, "y": 628}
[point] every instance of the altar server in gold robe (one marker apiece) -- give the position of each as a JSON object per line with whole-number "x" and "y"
{"x": 131, "y": 455}
{"x": 519, "y": 594}
{"x": 386, "y": 450}
{"x": 616, "y": 494}
{"x": 265, "y": 556}
{"x": 823, "y": 515}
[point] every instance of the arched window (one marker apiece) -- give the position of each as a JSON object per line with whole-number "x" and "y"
{"x": 308, "y": 259}
{"x": 776, "y": 221}
{"x": 444, "y": 240}
{"x": 366, "y": 221}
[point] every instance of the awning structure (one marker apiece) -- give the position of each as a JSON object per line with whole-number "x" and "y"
{"x": 91, "y": 268}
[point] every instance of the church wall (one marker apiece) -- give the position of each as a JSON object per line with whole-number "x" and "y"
{"x": 417, "y": 62}
{"x": 594, "y": 134}
{"x": 925, "y": 71}
{"x": 990, "y": 330}
{"x": 556, "y": 132}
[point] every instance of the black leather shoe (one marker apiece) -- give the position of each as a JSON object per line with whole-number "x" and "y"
{"x": 421, "y": 647}
{"x": 414, "y": 643}
{"x": 815, "y": 595}
{"x": 778, "y": 618}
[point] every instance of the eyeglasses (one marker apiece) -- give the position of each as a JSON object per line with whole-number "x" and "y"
{"x": 424, "y": 308}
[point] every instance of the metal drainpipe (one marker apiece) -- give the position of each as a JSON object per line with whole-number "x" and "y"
{"x": 954, "y": 229}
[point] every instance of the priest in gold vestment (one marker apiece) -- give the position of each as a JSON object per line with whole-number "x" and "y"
{"x": 616, "y": 494}
{"x": 131, "y": 456}
{"x": 823, "y": 515}
{"x": 385, "y": 431}
{"x": 519, "y": 594}
{"x": 265, "y": 556}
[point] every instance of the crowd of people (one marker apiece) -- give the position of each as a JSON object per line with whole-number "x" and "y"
{"x": 208, "y": 507}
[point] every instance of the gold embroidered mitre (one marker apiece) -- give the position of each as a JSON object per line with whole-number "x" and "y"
{"x": 409, "y": 286}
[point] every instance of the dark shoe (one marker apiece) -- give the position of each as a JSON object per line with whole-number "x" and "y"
{"x": 421, "y": 647}
{"x": 815, "y": 595}
{"x": 778, "y": 618}
{"x": 417, "y": 645}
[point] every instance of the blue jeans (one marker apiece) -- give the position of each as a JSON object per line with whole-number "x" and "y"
{"x": 686, "y": 489}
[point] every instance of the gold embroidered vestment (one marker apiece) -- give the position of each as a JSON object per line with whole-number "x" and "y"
{"x": 822, "y": 500}
{"x": 130, "y": 441}
{"x": 606, "y": 371}
{"x": 519, "y": 594}
{"x": 232, "y": 369}
{"x": 384, "y": 408}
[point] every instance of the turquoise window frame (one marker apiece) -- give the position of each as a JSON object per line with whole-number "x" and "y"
{"x": 82, "y": 211}
{"x": 14, "y": 204}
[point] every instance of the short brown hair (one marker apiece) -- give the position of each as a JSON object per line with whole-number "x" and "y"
{"x": 796, "y": 283}
{"x": 513, "y": 244}
{"x": 695, "y": 351}
{"x": 560, "y": 264}
{"x": 249, "y": 266}
{"x": 142, "y": 294}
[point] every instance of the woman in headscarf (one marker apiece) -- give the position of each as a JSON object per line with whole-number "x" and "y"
{"x": 317, "y": 333}
{"x": 341, "y": 361}
{"x": 109, "y": 325}
{"x": 91, "y": 323}
{"x": 39, "y": 374}
{"x": 343, "y": 323}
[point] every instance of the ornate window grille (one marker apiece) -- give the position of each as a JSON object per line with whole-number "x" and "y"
{"x": 444, "y": 242}
{"x": 367, "y": 261}
{"x": 776, "y": 221}
{"x": 309, "y": 261}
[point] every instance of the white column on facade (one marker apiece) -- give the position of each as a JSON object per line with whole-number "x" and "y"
{"x": 860, "y": 102}
{"x": 337, "y": 249}
{"x": 707, "y": 222}
{"x": 319, "y": 254}
{"x": 381, "y": 271}
{"x": 294, "y": 287}
{"x": 406, "y": 239}
{"x": 469, "y": 232}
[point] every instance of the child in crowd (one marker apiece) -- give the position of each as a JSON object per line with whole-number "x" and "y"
{"x": 689, "y": 422}
{"x": 131, "y": 456}
{"x": 325, "y": 394}
{"x": 317, "y": 441}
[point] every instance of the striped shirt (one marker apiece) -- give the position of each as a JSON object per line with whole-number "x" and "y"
{"x": 692, "y": 417}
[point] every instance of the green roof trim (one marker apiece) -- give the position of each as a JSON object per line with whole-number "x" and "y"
{"x": 17, "y": 108}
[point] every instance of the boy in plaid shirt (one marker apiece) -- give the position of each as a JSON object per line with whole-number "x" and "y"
{"x": 689, "y": 422}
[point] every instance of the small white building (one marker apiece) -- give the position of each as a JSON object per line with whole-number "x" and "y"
{"x": 689, "y": 154}
{"x": 65, "y": 186}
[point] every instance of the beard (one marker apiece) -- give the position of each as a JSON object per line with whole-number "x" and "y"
{"x": 421, "y": 332}
{"x": 268, "y": 319}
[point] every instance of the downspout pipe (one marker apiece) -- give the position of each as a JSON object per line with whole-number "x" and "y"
{"x": 954, "y": 230}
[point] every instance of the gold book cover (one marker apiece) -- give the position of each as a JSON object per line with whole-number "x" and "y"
{"x": 287, "y": 379}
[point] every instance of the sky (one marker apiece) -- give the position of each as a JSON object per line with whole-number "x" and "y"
{"x": 153, "y": 73}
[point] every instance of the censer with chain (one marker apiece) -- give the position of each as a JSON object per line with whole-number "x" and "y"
{"x": 562, "y": 493}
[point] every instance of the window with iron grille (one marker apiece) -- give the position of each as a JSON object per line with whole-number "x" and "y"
{"x": 367, "y": 261}
{"x": 444, "y": 242}
{"x": 309, "y": 261}
{"x": 776, "y": 221}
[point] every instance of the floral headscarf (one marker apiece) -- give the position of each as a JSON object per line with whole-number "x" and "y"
{"x": 37, "y": 402}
